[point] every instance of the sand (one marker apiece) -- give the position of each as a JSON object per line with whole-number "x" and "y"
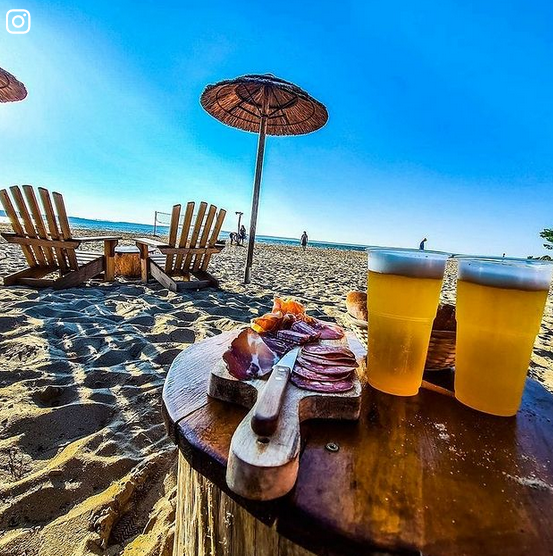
{"x": 85, "y": 464}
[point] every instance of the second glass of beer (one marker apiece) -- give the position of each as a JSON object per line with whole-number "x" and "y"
{"x": 403, "y": 292}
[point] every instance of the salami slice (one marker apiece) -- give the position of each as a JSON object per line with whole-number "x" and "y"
{"x": 322, "y": 385}
{"x": 304, "y": 372}
{"x": 328, "y": 362}
{"x": 325, "y": 369}
{"x": 321, "y": 349}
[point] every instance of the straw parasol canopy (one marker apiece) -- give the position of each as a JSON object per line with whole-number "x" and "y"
{"x": 11, "y": 89}
{"x": 266, "y": 105}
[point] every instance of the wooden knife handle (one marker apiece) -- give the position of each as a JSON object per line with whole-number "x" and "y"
{"x": 267, "y": 408}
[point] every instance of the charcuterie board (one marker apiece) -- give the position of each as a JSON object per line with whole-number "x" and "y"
{"x": 266, "y": 467}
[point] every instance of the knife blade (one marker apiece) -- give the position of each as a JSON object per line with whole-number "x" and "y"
{"x": 267, "y": 408}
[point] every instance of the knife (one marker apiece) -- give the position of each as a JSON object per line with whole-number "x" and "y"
{"x": 267, "y": 408}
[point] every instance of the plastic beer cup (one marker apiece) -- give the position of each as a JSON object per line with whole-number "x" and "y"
{"x": 403, "y": 291}
{"x": 500, "y": 304}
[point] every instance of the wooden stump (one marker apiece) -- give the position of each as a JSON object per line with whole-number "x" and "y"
{"x": 209, "y": 523}
{"x": 127, "y": 261}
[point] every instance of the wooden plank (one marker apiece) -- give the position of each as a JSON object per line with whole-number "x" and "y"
{"x": 173, "y": 229}
{"x": 28, "y": 224}
{"x": 206, "y": 277}
{"x": 183, "y": 241}
{"x": 39, "y": 242}
{"x": 189, "y": 251}
{"x": 39, "y": 223}
{"x": 109, "y": 254}
{"x": 16, "y": 225}
{"x": 144, "y": 261}
{"x": 53, "y": 227}
{"x": 150, "y": 242}
{"x": 33, "y": 272}
{"x": 421, "y": 474}
{"x": 214, "y": 237}
{"x": 205, "y": 236}
{"x": 159, "y": 275}
{"x": 65, "y": 230}
{"x": 84, "y": 273}
{"x": 195, "y": 234}
{"x": 37, "y": 282}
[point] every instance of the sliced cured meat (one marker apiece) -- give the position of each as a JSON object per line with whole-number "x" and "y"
{"x": 326, "y": 377}
{"x": 330, "y": 361}
{"x": 267, "y": 322}
{"x": 293, "y": 337}
{"x": 325, "y": 369}
{"x": 328, "y": 330}
{"x": 321, "y": 349}
{"x": 249, "y": 356}
{"x": 304, "y": 328}
{"x": 322, "y": 385}
{"x": 280, "y": 347}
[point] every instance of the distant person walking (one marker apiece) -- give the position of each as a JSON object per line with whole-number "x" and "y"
{"x": 242, "y": 234}
{"x": 421, "y": 245}
{"x": 303, "y": 240}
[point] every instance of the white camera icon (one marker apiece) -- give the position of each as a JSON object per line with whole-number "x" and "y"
{"x": 18, "y": 22}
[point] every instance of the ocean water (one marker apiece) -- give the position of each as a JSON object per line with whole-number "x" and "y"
{"x": 148, "y": 229}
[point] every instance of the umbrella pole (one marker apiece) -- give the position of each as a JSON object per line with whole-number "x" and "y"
{"x": 256, "y": 187}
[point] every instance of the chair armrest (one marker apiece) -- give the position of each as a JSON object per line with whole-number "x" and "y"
{"x": 97, "y": 238}
{"x": 150, "y": 242}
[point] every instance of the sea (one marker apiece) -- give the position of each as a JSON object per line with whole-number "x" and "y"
{"x": 148, "y": 229}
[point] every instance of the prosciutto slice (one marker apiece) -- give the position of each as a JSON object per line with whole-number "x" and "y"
{"x": 249, "y": 356}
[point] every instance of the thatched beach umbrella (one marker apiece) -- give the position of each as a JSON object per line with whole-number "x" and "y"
{"x": 10, "y": 88}
{"x": 263, "y": 104}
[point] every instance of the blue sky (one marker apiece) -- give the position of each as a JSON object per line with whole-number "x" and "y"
{"x": 440, "y": 116}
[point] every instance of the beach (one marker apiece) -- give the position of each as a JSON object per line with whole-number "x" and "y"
{"x": 85, "y": 463}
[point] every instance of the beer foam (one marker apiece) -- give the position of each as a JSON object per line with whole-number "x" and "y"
{"x": 519, "y": 275}
{"x": 413, "y": 263}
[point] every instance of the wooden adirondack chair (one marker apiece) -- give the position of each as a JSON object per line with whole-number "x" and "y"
{"x": 185, "y": 255}
{"x": 53, "y": 250}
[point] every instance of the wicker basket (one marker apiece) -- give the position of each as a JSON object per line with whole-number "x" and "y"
{"x": 441, "y": 349}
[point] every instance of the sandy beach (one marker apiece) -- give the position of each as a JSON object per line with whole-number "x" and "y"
{"x": 85, "y": 464}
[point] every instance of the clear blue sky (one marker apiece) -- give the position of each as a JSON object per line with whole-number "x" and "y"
{"x": 441, "y": 115}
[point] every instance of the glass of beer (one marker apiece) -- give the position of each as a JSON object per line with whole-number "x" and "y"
{"x": 500, "y": 305}
{"x": 403, "y": 291}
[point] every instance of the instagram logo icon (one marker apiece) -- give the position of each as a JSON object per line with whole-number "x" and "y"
{"x": 18, "y": 22}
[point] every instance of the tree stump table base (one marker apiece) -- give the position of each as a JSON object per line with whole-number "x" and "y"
{"x": 210, "y": 523}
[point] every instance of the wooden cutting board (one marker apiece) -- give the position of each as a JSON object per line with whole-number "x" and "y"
{"x": 266, "y": 467}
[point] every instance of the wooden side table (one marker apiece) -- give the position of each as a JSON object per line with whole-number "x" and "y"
{"x": 415, "y": 475}
{"x": 127, "y": 261}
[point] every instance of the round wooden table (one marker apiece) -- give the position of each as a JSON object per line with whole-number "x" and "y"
{"x": 419, "y": 474}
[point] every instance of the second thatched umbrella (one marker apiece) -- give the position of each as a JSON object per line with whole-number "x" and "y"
{"x": 266, "y": 105}
{"x": 11, "y": 89}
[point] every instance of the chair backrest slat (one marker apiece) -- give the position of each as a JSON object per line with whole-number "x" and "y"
{"x": 214, "y": 237}
{"x": 183, "y": 241}
{"x": 65, "y": 230}
{"x": 28, "y": 224}
{"x": 39, "y": 222}
{"x": 53, "y": 227}
{"x": 205, "y": 236}
{"x": 195, "y": 234}
{"x": 17, "y": 227}
{"x": 173, "y": 229}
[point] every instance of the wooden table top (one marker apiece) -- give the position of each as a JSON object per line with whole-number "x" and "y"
{"x": 423, "y": 473}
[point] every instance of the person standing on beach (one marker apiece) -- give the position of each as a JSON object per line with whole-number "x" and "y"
{"x": 242, "y": 234}
{"x": 303, "y": 240}
{"x": 421, "y": 245}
